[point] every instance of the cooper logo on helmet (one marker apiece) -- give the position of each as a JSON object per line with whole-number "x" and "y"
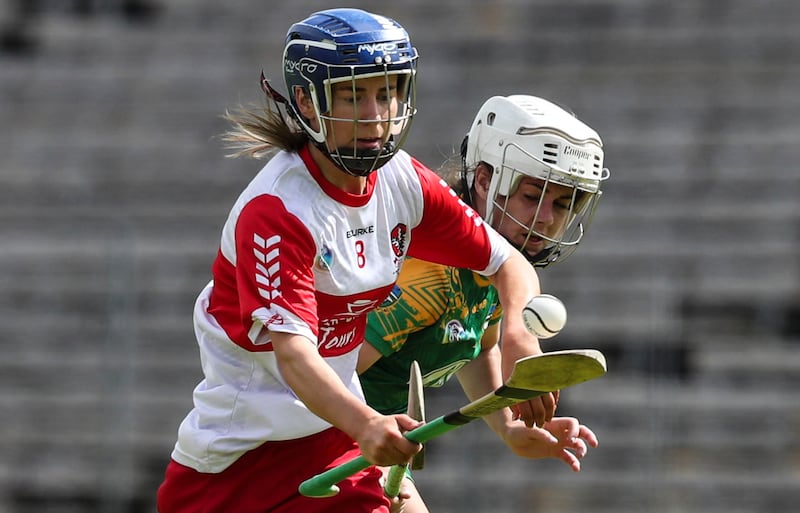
{"x": 571, "y": 151}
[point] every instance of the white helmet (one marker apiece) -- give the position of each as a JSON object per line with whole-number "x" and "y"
{"x": 524, "y": 135}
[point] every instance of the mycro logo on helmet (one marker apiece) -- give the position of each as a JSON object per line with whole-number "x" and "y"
{"x": 292, "y": 66}
{"x": 377, "y": 47}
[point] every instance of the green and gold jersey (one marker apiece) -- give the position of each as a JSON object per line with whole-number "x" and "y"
{"x": 435, "y": 315}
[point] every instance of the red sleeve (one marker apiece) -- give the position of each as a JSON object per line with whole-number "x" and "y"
{"x": 450, "y": 232}
{"x": 275, "y": 254}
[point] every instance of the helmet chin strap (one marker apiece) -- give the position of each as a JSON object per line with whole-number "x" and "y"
{"x": 364, "y": 164}
{"x": 375, "y": 161}
{"x": 542, "y": 258}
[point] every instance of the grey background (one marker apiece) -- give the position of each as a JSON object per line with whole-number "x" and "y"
{"x": 113, "y": 189}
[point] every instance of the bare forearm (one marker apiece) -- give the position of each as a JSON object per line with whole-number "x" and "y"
{"x": 380, "y": 437}
{"x": 516, "y": 282}
{"x": 482, "y": 376}
{"x": 318, "y": 386}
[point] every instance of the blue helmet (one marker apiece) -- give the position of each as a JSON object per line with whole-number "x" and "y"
{"x": 344, "y": 45}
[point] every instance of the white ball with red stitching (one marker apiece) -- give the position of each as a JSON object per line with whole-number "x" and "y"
{"x": 544, "y": 316}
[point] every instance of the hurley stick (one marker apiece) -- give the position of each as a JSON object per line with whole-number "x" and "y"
{"x": 416, "y": 410}
{"x": 531, "y": 377}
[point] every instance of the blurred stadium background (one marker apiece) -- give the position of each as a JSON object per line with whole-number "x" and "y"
{"x": 113, "y": 189}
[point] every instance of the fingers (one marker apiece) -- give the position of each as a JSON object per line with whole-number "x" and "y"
{"x": 575, "y": 439}
{"x": 524, "y": 411}
{"x": 577, "y": 447}
{"x": 537, "y": 411}
{"x": 549, "y": 403}
{"x": 397, "y": 504}
{"x": 408, "y": 499}
{"x": 406, "y": 423}
{"x": 543, "y": 435}
{"x": 571, "y": 460}
{"x": 580, "y": 437}
{"x": 386, "y": 455}
{"x": 383, "y": 442}
{"x": 587, "y": 434}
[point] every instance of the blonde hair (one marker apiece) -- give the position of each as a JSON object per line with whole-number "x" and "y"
{"x": 261, "y": 131}
{"x": 452, "y": 172}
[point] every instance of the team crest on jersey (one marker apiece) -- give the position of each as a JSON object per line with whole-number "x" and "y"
{"x": 455, "y": 331}
{"x": 324, "y": 259}
{"x": 398, "y": 239}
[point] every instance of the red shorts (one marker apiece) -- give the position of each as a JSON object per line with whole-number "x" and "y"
{"x": 266, "y": 480}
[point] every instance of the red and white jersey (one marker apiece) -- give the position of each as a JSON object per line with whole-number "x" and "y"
{"x": 301, "y": 256}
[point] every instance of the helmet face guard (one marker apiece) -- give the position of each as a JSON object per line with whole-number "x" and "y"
{"x": 525, "y": 136}
{"x": 342, "y": 46}
{"x": 582, "y": 204}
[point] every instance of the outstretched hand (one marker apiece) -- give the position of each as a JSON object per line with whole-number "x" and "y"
{"x": 563, "y": 438}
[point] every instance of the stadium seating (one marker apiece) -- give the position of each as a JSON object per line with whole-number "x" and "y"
{"x": 113, "y": 188}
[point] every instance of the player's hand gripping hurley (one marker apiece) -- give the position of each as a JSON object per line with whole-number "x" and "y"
{"x": 531, "y": 377}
